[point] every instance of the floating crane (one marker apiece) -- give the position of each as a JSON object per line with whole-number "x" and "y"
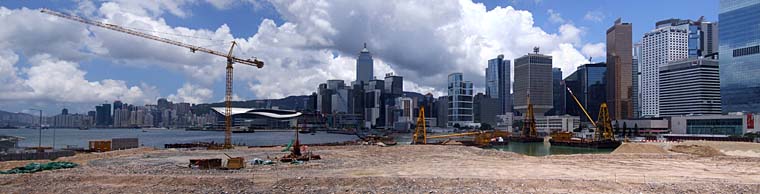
{"x": 420, "y": 131}
{"x": 480, "y": 138}
{"x": 230, "y": 60}
{"x": 603, "y": 135}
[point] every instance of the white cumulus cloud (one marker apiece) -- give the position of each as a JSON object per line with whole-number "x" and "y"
{"x": 192, "y": 94}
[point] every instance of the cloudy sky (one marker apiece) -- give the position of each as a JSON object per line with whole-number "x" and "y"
{"x": 52, "y": 63}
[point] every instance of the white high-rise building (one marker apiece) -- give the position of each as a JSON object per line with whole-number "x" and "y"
{"x": 660, "y": 46}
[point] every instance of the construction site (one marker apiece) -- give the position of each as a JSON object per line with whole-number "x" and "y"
{"x": 457, "y": 162}
{"x": 633, "y": 168}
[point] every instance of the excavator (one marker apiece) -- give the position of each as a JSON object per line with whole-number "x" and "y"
{"x": 480, "y": 138}
{"x": 603, "y": 135}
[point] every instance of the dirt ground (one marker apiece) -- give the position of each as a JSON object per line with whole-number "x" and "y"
{"x": 399, "y": 169}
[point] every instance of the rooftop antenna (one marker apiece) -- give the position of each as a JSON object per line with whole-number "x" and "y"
{"x": 535, "y": 50}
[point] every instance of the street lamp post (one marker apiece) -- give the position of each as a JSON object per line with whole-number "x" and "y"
{"x": 39, "y": 146}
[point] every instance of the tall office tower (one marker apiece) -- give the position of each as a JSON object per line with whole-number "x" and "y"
{"x": 709, "y": 38}
{"x": 533, "y": 76}
{"x": 374, "y": 106}
{"x": 460, "y": 100}
{"x": 485, "y": 109}
{"x": 364, "y": 65}
{"x": 619, "y": 59}
{"x": 442, "y": 113}
{"x": 558, "y": 90}
{"x": 739, "y": 55}
{"x": 703, "y": 35}
{"x": 589, "y": 85}
{"x": 394, "y": 85}
{"x": 635, "y": 83}
{"x": 498, "y": 84}
{"x": 690, "y": 86}
{"x": 659, "y": 47}
{"x": 103, "y": 115}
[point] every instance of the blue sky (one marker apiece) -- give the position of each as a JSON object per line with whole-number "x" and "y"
{"x": 591, "y": 17}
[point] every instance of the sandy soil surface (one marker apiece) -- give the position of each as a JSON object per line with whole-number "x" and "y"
{"x": 400, "y": 169}
{"x": 745, "y": 149}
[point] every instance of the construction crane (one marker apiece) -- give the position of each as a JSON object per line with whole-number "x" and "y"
{"x": 603, "y": 125}
{"x": 529, "y": 123}
{"x": 420, "y": 130}
{"x": 230, "y": 60}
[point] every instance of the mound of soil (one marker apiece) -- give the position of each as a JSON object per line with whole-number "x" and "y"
{"x": 699, "y": 150}
{"x": 636, "y": 148}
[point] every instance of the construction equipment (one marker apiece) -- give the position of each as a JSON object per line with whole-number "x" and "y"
{"x": 420, "y": 129}
{"x": 480, "y": 138}
{"x": 528, "y": 132}
{"x": 230, "y": 60}
{"x": 603, "y": 135}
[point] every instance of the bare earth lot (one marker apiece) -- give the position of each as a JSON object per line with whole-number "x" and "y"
{"x": 398, "y": 169}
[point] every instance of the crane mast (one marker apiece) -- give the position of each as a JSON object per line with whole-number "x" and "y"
{"x": 230, "y": 60}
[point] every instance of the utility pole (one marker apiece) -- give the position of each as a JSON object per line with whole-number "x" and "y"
{"x": 39, "y": 146}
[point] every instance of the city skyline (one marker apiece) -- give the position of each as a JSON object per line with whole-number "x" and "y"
{"x": 102, "y": 69}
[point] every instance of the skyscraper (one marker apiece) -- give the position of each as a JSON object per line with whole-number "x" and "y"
{"x": 739, "y": 55}
{"x": 619, "y": 59}
{"x": 394, "y": 85}
{"x": 588, "y": 83}
{"x": 485, "y": 109}
{"x": 702, "y": 38}
{"x": 498, "y": 84}
{"x": 460, "y": 100}
{"x": 558, "y": 91}
{"x": 690, "y": 86}
{"x": 364, "y": 65}
{"x": 660, "y": 46}
{"x": 103, "y": 118}
{"x": 635, "y": 81}
{"x": 533, "y": 76}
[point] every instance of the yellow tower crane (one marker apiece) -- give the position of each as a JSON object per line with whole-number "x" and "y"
{"x": 230, "y": 60}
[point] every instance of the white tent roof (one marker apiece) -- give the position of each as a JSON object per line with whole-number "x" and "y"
{"x": 275, "y": 114}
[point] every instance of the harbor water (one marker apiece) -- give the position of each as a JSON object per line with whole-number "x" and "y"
{"x": 159, "y": 137}
{"x": 545, "y": 148}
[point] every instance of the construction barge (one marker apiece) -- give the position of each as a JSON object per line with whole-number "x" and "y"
{"x": 603, "y": 135}
{"x": 582, "y": 143}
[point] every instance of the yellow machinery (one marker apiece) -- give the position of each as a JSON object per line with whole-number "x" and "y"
{"x": 230, "y": 60}
{"x": 420, "y": 129}
{"x": 481, "y": 138}
{"x": 529, "y": 123}
{"x": 603, "y": 124}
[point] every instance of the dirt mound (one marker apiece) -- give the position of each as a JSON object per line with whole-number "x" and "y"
{"x": 699, "y": 150}
{"x": 635, "y": 148}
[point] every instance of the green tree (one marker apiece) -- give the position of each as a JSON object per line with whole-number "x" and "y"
{"x": 485, "y": 126}
{"x": 456, "y": 125}
{"x": 636, "y": 129}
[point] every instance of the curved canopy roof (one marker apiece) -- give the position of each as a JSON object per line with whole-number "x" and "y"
{"x": 269, "y": 113}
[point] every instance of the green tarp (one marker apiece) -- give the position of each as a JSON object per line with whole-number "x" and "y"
{"x": 37, "y": 167}
{"x": 287, "y": 148}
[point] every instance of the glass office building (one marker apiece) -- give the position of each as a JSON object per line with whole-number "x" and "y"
{"x": 739, "y": 39}
{"x": 498, "y": 84}
{"x": 588, "y": 83}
